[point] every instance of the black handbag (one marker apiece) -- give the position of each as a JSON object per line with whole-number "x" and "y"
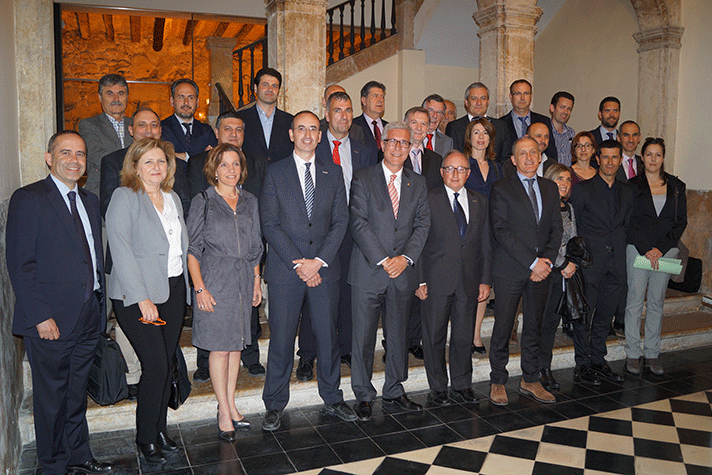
{"x": 573, "y": 305}
{"x": 107, "y": 375}
{"x": 180, "y": 384}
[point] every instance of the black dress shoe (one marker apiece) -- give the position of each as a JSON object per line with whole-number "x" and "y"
{"x": 226, "y": 435}
{"x": 242, "y": 424}
{"x": 480, "y": 350}
{"x": 151, "y": 452}
{"x": 618, "y": 325}
{"x": 605, "y": 371}
{"x": 363, "y": 410}
{"x": 256, "y": 369}
{"x": 305, "y": 370}
{"x": 346, "y": 359}
{"x": 568, "y": 329}
{"x": 490, "y": 304}
{"x": 201, "y": 375}
{"x": 439, "y": 398}
{"x": 463, "y": 395}
{"x": 133, "y": 392}
{"x": 341, "y": 410}
{"x": 584, "y": 374}
{"x": 404, "y": 403}
{"x": 416, "y": 351}
{"x": 272, "y": 420}
{"x": 92, "y": 466}
{"x": 548, "y": 381}
{"x": 166, "y": 443}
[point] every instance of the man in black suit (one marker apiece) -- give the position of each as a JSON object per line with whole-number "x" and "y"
{"x": 389, "y": 222}
{"x": 373, "y": 103}
{"x": 338, "y": 146}
{"x": 436, "y": 140}
{"x": 527, "y": 228}
{"x": 267, "y": 126}
{"x": 609, "y": 112}
{"x": 355, "y": 133}
{"x": 229, "y": 128}
{"x": 476, "y": 104}
{"x": 521, "y": 116}
{"x": 602, "y": 206}
{"x": 631, "y": 162}
{"x": 188, "y": 135}
{"x": 455, "y": 273}
{"x": 54, "y": 259}
{"x": 304, "y": 218}
{"x": 540, "y": 133}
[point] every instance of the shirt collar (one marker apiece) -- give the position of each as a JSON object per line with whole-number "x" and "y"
{"x": 331, "y": 138}
{"x": 114, "y": 121}
{"x": 183, "y": 121}
{"x": 388, "y": 173}
{"x": 62, "y": 187}
{"x": 300, "y": 161}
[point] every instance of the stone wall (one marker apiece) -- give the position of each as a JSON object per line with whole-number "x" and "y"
{"x": 697, "y": 236}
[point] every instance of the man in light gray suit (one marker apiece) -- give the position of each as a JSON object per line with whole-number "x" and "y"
{"x": 390, "y": 220}
{"x": 108, "y": 131}
{"x": 436, "y": 140}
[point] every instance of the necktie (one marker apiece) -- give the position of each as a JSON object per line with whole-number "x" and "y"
{"x": 429, "y": 145}
{"x": 187, "y": 132}
{"x": 335, "y": 154}
{"x": 72, "y": 195}
{"x": 415, "y": 158}
{"x": 610, "y": 135}
{"x": 532, "y": 197}
{"x": 377, "y": 134}
{"x": 459, "y": 216}
{"x": 394, "y": 195}
{"x": 476, "y": 117}
{"x": 308, "y": 190}
{"x": 523, "y": 126}
{"x": 631, "y": 170}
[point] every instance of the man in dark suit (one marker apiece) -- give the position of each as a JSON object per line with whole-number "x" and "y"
{"x": 267, "y": 126}
{"x": 188, "y": 135}
{"x": 304, "y": 218}
{"x": 229, "y": 128}
{"x": 389, "y": 222}
{"x": 373, "y": 103}
{"x": 436, "y": 140}
{"x": 540, "y": 133}
{"x": 355, "y": 133}
{"x": 527, "y": 228}
{"x": 338, "y": 146}
{"x": 54, "y": 258}
{"x": 455, "y": 272}
{"x": 609, "y": 112}
{"x": 107, "y": 131}
{"x": 521, "y": 116}
{"x": 631, "y": 162}
{"x": 602, "y": 206}
{"x": 476, "y": 104}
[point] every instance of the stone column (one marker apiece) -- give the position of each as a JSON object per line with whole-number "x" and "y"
{"x": 220, "y": 71}
{"x": 658, "y": 77}
{"x": 507, "y": 29}
{"x": 405, "y": 19}
{"x": 297, "y": 48}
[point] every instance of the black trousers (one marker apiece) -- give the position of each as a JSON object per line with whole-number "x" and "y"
{"x": 60, "y": 371}
{"x": 155, "y": 346}
{"x": 550, "y": 322}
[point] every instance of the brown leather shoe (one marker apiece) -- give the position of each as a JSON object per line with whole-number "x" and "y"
{"x": 537, "y": 391}
{"x": 498, "y": 395}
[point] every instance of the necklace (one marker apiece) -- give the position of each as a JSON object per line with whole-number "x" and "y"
{"x": 226, "y": 196}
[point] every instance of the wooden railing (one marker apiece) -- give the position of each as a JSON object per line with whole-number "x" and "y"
{"x": 225, "y": 102}
{"x": 343, "y": 44}
{"x": 246, "y": 69}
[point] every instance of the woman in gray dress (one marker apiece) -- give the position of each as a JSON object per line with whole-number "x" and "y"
{"x": 223, "y": 260}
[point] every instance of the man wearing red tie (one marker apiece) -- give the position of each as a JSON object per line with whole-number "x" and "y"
{"x": 436, "y": 140}
{"x": 373, "y": 103}
{"x": 632, "y": 163}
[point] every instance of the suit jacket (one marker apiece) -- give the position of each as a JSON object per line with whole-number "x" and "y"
{"x": 201, "y": 135}
{"x": 431, "y": 168}
{"x": 256, "y": 168}
{"x": 597, "y": 135}
{"x": 140, "y": 248}
{"x": 355, "y": 133}
{"x": 443, "y": 143}
{"x": 101, "y": 139}
{"x": 509, "y": 169}
{"x": 594, "y": 223}
{"x": 368, "y": 137}
{"x": 362, "y": 156}
{"x": 519, "y": 239}
{"x": 378, "y": 234}
{"x": 279, "y": 144}
{"x": 45, "y": 259}
{"x": 448, "y": 258}
{"x": 646, "y": 229}
{"x": 536, "y": 119}
{"x": 621, "y": 175}
{"x": 287, "y": 229}
{"x": 502, "y": 141}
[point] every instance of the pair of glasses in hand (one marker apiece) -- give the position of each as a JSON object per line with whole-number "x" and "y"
{"x": 158, "y": 322}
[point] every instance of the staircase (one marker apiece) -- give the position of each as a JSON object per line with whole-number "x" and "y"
{"x": 687, "y": 324}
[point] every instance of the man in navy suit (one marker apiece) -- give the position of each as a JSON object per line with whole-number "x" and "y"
{"x": 373, "y": 103}
{"x": 336, "y": 145}
{"x": 436, "y": 140}
{"x": 54, "y": 258}
{"x": 609, "y": 112}
{"x": 188, "y": 135}
{"x": 267, "y": 126}
{"x": 304, "y": 218}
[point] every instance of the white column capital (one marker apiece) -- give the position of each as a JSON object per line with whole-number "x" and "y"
{"x": 661, "y": 37}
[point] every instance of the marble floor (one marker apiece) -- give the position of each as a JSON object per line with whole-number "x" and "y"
{"x": 646, "y": 424}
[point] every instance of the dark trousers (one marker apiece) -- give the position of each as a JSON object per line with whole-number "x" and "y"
{"x": 60, "y": 371}
{"x": 436, "y": 311}
{"x": 250, "y": 355}
{"x": 533, "y": 294}
{"x": 550, "y": 322}
{"x": 366, "y": 305}
{"x": 603, "y": 292}
{"x": 155, "y": 346}
{"x": 285, "y": 303}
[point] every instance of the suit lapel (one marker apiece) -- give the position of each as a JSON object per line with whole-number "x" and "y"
{"x": 474, "y": 205}
{"x": 258, "y": 125}
{"x": 382, "y": 190}
{"x": 321, "y": 178}
{"x": 57, "y": 202}
{"x": 406, "y": 194}
{"x": 179, "y": 132}
{"x": 110, "y": 131}
{"x": 293, "y": 183}
{"x": 524, "y": 195}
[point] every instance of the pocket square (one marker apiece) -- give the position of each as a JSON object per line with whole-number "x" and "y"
{"x": 325, "y": 172}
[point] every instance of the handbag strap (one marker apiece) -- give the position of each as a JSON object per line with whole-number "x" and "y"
{"x": 206, "y": 205}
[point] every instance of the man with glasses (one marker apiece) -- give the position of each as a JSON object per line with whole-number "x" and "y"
{"x": 455, "y": 272}
{"x": 389, "y": 222}
{"x": 436, "y": 140}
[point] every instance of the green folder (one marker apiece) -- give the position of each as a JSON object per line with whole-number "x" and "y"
{"x": 665, "y": 264}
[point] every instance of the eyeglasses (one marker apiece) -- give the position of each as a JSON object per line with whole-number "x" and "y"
{"x": 395, "y": 142}
{"x": 433, "y": 111}
{"x": 583, "y": 145}
{"x": 451, "y": 169}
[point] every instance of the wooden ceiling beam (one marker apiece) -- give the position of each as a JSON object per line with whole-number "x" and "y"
{"x": 135, "y": 23}
{"x": 188, "y": 35}
{"x": 242, "y": 34}
{"x": 220, "y": 30}
{"x": 159, "y": 25}
{"x": 109, "y": 24}
{"x": 83, "y": 25}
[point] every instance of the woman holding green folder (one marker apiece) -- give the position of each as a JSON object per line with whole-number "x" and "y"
{"x": 658, "y": 220}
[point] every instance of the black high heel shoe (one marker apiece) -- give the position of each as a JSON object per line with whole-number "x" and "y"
{"x": 242, "y": 424}
{"x": 226, "y": 435}
{"x": 151, "y": 452}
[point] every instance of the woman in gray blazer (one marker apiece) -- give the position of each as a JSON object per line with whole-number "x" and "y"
{"x": 148, "y": 282}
